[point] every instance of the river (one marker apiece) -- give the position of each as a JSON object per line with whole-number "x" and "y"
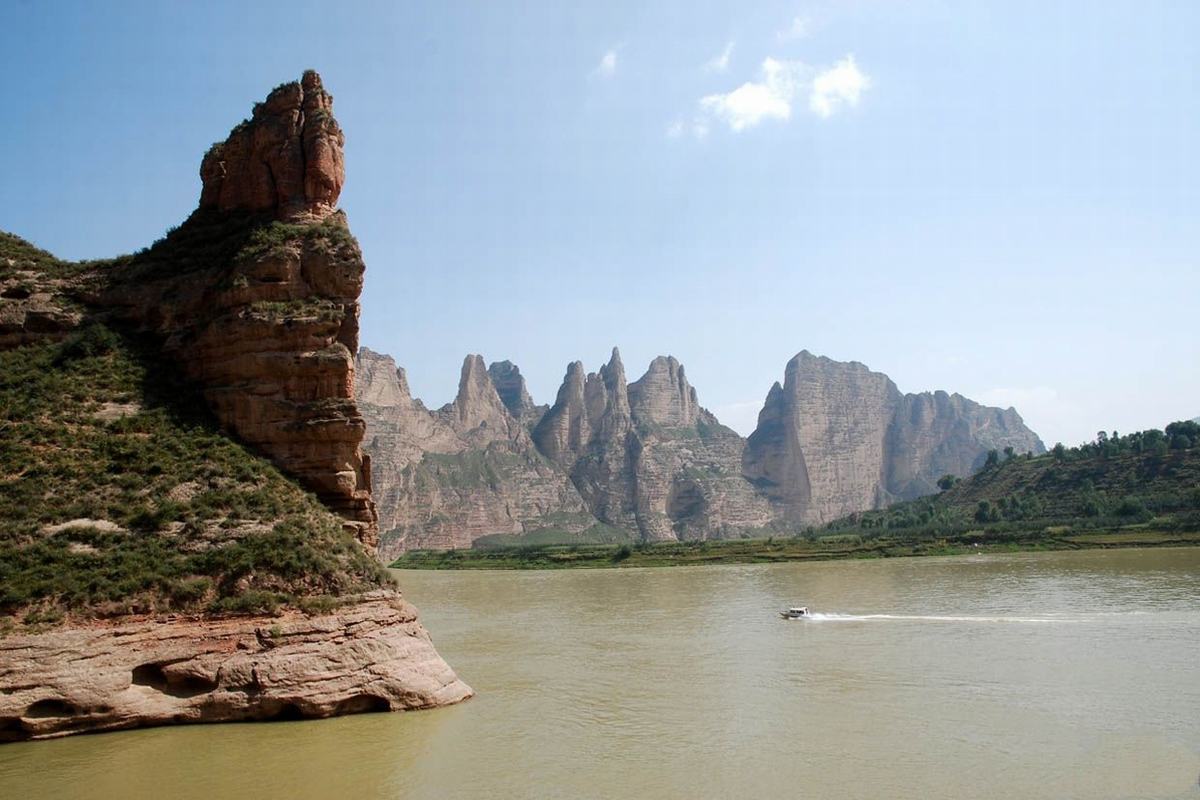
{"x": 1041, "y": 675}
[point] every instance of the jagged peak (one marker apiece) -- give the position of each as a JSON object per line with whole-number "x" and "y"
{"x": 379, "y": 381}
{"x": 510, "y": 385}
{"x": 663, "y": 395}
{"x": 286, "y": 160}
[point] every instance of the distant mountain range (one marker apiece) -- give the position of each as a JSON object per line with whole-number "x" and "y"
{"x": 617, "y": 461}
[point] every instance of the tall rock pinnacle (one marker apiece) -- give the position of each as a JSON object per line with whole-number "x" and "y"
{"x": 241, "y": 325}
{"x": 285, "y": 160}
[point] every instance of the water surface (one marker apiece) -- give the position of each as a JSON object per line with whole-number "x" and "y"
{"x": 1051, "y": 675}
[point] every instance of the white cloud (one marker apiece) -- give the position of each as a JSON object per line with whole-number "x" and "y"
{"x": 797, "y": 29}
{"x": 720, "y": 63}
{"x": 779, "y": 85}
{"x": 751, "y": 103}
{"x": 841, "y": 83}
{"x": 675, "y": 129}
{"x": 608, "y": 64}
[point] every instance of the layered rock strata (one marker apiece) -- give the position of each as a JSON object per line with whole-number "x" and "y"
{"x": 446, "y": 478}
{"x": 255, "y": 296}
{"x": 688, "y": 465}
{"x": 510, "y": 385}
{"x": 286, "y": 160}
{"x": 647, "y": 458}
{"x": 268, "y": 326}
{"x": 374, "y": 656}
{"x": 836, "y": 438}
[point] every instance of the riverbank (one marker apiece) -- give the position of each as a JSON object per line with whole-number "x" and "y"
{"x": 783, "y": 549}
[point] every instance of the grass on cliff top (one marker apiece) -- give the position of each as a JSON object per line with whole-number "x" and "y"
{"x": 24, "y": 255}
{"x": 167, "y": 513}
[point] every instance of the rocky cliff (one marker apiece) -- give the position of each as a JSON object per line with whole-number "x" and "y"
{"x": 154, "y": 566}
{"x": 836, "y": 438}
{"x": 256, "y": 295}
{"x": 688, "y": 465}
{"x": 647, "y": 457}
{"x": 510, "y": 385}
{"x": 446, "y": 478}
{"x": 647, "y": 460}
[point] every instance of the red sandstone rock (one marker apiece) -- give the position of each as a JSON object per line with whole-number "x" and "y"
{"x": 270, "y": 334}
{"x": 373, "y": 656}
{"x": 285, "y": 160}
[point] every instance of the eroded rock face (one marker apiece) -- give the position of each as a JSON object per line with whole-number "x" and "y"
{"x": 935, "y": 433}
{"x": 837, "y": 438}
{"x": 818, "y": 452}
{"x": 510, "y": 385}
{"x": 256, "y": 297}
{"x": 663, "y": 395}
{"x": 647, "y": 458}
{"x": 286, "y": 160}
{"x": 832, "y": 439}
{"x": 445, "y": 478}
{"x": 373, "y": 656}
{"x": 267, "y": 324}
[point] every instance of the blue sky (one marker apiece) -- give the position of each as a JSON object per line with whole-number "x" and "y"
{"x": 995, "y": 198}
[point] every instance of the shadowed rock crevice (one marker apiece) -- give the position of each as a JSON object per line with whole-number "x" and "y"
{"x": 172, "y": 682}
{"x": 43, "y": 709}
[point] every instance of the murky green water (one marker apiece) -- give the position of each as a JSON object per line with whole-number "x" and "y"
{"x": 1059, "y": 675}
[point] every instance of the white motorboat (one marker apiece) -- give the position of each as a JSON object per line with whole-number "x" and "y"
{"x": 796, "y": 612}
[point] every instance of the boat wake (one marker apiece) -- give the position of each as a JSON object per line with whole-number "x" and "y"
{"x": 819, "y": 617}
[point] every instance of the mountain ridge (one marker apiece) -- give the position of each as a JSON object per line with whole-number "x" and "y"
{"x": 645, "y": 457}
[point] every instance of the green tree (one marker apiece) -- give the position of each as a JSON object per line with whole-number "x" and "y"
{"x": 993, "y": 459}
{"x": 947, "y": 482}
{"x": 986, "y": 512}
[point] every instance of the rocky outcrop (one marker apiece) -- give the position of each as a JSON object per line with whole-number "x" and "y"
{"x": 935, "y": 433}
{"x": 263, "y": 315}
{"x": 255, "y": 298}
{"x": 285, "y": 161}
{"x": 373, "y": 656}
{"x": 818, "y": 450}
{"x": 446, "y": 478}
{"x": 589, "y": 433}
{"x": 663, "y": 395}
{"x": 647, "y": 458}
{"x": 836, "y": 438}
{"x": 510, "y": 385}
{"x": 34, "y": 302}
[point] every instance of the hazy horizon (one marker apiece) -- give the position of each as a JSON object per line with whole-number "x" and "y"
{"x": 994, "y": 200}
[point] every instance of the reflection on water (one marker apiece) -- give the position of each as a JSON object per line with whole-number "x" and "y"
{"x": 1055, "y": 675}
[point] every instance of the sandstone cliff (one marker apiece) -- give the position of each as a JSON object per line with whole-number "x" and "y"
{"x": 647, "y": 458}
{"x": 510, "y": 385}
{"x": 446, "y": 478}
{"x": 836, "y": 438}
{"x": 374, "y": 656}
{"x": 155, "y": 567}
{"x": 263, "y": 313}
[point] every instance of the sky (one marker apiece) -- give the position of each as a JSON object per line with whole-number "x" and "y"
{"x": 994, "y": 198}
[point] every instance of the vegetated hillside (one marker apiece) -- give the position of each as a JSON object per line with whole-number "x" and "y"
{"x": 119, "y": 492}
{"x": 1149, "y": 480}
